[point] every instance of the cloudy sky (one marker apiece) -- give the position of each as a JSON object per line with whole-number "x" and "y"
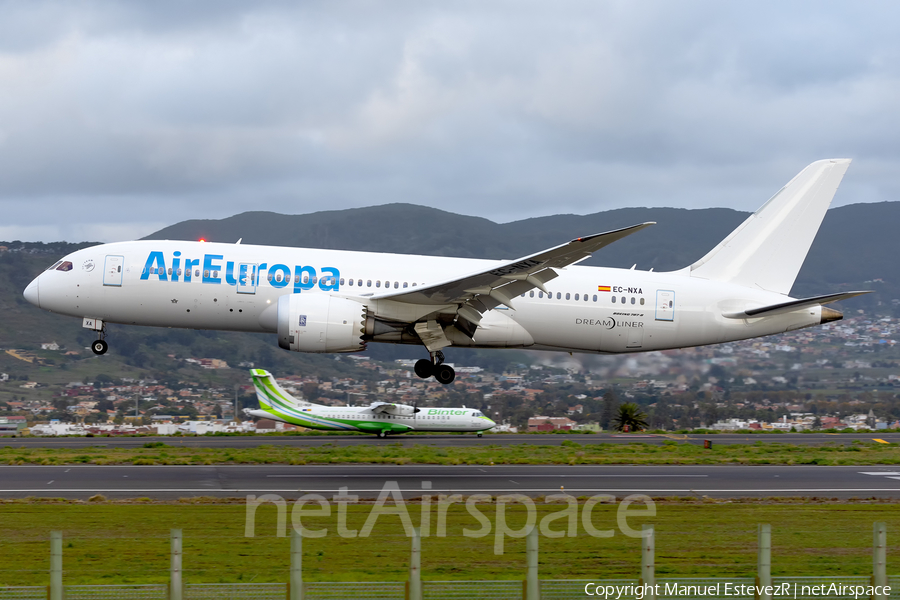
{"x": 117, "y": 119}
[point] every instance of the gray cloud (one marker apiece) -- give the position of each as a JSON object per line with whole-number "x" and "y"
{"x": 118, "y": 118}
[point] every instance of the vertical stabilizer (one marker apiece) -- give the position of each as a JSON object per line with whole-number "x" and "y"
{"x": 271, "y": 395}
{"x": 767, "y": 250}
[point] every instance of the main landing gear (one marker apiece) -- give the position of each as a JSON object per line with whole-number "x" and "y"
{"x": 442, "y": 373}
{"x": 100, "y": 346}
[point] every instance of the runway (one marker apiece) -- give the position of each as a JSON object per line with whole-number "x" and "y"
{"x": 367, "y": 481}
{"x": 451, "y": 440}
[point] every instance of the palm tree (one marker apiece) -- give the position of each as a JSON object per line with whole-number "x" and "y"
{"x": 631, "y": 416}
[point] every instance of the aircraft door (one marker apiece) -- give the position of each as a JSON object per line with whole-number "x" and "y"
{"x": 635, "y": 337}
{"x": 665, "y": 305}
{"x": 112, "y": 270}
{"x": 246, "y": 283}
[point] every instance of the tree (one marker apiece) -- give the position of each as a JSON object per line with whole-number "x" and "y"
{"x": 631, "y": 416}
{"x": 610, "y": 409}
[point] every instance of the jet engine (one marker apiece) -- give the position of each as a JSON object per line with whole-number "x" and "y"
{"x": 313, "y": 322}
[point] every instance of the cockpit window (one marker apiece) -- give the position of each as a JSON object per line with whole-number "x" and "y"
{"x": 54, "y": 265}
{"x": 66, "y": 266}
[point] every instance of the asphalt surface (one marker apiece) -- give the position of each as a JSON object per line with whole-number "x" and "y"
{"x": 367, "y": 481}
{"x": 452, "y": 440}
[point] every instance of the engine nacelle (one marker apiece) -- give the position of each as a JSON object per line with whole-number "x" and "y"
{"x": 313, "y": 322}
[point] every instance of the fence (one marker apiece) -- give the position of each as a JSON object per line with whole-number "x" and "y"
{"x": 570, "y": 589}
{"x": 647, "y": 587}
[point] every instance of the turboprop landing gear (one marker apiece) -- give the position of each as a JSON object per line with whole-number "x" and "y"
{"x": 442, "y": 373}
{"x": 100, "y": 346}
{"x": 382, "y": 434}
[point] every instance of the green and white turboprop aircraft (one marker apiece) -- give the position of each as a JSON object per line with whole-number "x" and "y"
{"x": 380, "y": 418}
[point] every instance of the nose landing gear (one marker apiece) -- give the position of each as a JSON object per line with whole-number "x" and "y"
{"x": 425, "y": 368}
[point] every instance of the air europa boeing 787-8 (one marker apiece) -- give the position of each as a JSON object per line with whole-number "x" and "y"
{"x": 338, "y": 301}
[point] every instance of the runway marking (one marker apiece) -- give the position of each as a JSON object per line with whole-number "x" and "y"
{"x": 880, "y": 441}
{"x": 450, "y": 490}
{"x": 521, "y": 476}
{"x": 886, "y": 473}
{"x": 51, "y": 481}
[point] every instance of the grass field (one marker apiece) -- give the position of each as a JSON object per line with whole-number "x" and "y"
{"x": 570, "y": 452}
{"x": 107, "y": 542}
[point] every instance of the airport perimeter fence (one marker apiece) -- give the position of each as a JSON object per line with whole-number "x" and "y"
{"x": 569, "y": 589}
{"x": 648, "y": 587}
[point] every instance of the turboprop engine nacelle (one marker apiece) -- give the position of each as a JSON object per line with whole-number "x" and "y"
{"x": 313, "y": 322}
{"x": 403, "y": 410}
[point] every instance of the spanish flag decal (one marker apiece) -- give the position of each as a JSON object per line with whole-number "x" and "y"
{"x": 603, "y": 288}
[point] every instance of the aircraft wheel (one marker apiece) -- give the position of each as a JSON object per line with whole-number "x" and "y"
{"x": 424, "y": 368}
{"x": 479, "y": 434}
{"x": 444, "y": 374}
{"x": 100, "y": 347}
{"x": 382, "y": 434}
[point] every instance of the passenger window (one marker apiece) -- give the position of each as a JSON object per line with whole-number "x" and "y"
{"x": 614, "y": 299}
{"x": 378, "y": 283}
{"x": 567, "y": 296}
{"x": 169, "y": 270}
{"x": 540, "y": 294}
{"x": 405, "y": 284}
{"x": 586, "y": 297}
{"x": 197, "y": 273}
{"x": 270, "y": 277}
{"x": 369, "y": 283}
{"x": 314, "y": 280}
{"x": 559, "y": 295}
{"x": 531, "y": 294}
{"x": 396, "y": 284}
{"x": 305, "y": 279}
{"x": 632, "y": 299}
{"x": 576, "y": 296}
{"x": 642, "y": 301}
{"x": 179, "y": 272}
{"x": 350, "y": 282}
{"x": 359, "y": 282}
{"x": 623, "y": 299}
{"x": 595, "y": 297}
{"x": 342, "y": 280}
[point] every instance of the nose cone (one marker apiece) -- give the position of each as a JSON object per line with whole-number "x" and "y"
{"x": 32, "y": 292}
{"x": 492, "y": 424}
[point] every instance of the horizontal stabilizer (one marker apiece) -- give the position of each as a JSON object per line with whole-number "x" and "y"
{"x": 786, "y": 307}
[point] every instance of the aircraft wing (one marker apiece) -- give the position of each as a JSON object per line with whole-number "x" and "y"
{"x": 485, "y": 290}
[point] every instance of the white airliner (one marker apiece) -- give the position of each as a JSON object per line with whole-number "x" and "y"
{"x": 338, "y": 301}
{"x": 381, "y": 418}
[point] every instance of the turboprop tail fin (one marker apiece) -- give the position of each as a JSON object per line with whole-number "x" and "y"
{"x": 767, "y": 250}
{"x": 271, "y": 395}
